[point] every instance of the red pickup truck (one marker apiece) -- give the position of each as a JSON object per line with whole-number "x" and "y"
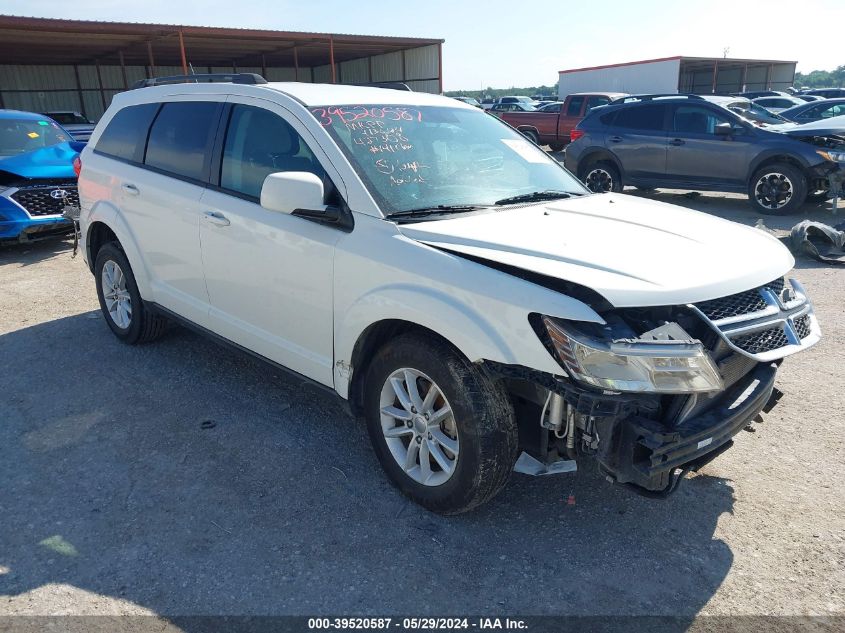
{"x": 552, "y": 124}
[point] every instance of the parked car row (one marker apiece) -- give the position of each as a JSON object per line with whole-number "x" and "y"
{"x": 692, "y": 142}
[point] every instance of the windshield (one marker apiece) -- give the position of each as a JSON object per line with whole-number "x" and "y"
{"x": 430, "y": 156}
{"x": 18, "y": 136}
{"x": 69, "y": 118}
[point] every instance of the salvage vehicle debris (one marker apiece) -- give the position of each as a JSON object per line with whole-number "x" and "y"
{"x": 818, "y": 241}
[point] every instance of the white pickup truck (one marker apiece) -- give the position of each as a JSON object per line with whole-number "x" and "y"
{"x": 468, "y": 297}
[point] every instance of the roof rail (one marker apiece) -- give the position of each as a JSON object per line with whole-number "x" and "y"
{"x": 630, "y": 98}
{"x": 235, "y": 78}
{"x": 392, "y": 85}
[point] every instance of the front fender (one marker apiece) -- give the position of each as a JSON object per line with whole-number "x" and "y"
{"x": 481, "y": 324}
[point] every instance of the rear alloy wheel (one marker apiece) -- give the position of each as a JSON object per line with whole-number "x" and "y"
{"x": 777, "y": 189}
{"x": 443, "y": 430}
{"x": 120, "y": 301}
{"x": 602, "y": 178}
{"x": 531, "y": 135}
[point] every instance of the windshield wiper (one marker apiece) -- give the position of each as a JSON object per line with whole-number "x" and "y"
{"x": 536, "y": 195}
{"x": 437, "y": 209}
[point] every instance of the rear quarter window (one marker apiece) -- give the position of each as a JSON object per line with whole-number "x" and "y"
{"x": 126, "y": 134}
{"x": 574, "y": 107}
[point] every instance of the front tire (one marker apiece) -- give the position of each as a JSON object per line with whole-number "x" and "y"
{"x": 120, "y": 301}
{"x": 556, "y": 147}
{"x": 443, "y": 430}
{"x": 778, "y": 189}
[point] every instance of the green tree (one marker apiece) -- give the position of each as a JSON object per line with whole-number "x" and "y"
{"x": 821, "y": 78}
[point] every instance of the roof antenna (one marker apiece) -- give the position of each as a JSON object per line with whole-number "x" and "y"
{"x": 191, "y": 67}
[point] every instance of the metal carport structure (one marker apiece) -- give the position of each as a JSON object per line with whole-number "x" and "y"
{"x": 51, "y": 64}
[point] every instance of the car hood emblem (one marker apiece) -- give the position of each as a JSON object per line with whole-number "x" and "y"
{"x": 58, "y": 194}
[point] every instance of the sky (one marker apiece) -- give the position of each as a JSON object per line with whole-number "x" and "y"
{"x": 507, "y": 43}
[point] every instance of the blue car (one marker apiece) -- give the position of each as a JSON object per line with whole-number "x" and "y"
{"x": 37, "y": 178}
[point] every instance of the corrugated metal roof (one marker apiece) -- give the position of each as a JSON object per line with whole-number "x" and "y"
{"x": 29, "y": 40}
{"x": 683, "y": 59}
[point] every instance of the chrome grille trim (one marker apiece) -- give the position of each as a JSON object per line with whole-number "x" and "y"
{"x": 785, "y": 326}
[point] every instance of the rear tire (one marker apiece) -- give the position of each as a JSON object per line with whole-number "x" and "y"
{"x": 531, "y": 135}
{"x": 777, "y": 189}
{"x": 602, "y": 177}
{"x": 556, "y": 147}
{"x": 124, "y": 310}
{"x": 450, "y": 451}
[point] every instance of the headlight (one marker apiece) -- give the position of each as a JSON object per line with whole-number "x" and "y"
{"x": 659, "y": 366}
{"x": 836, "y": 157}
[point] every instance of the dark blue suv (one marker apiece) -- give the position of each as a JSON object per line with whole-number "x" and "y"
{"x": 688, "y": 142}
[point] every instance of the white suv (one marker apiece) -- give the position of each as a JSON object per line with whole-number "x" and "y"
{"x": 466, "y": 294}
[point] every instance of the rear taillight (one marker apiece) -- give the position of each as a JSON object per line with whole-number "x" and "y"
{"x": 574, "y": 135}
{"x": 77, "y": 166}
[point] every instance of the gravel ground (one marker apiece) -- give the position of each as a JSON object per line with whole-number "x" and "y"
{"x": 183, "y": 478}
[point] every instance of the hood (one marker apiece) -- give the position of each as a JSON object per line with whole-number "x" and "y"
{"x": 834, "y": 126}
{"x": 632, "y": 251}
{"x": 55, "y": 161}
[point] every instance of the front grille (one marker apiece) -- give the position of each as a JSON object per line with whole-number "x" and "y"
{"x": 740, "y": 303}
{"x": 762, "y": 341}
{"x": 38, "y": 201}
{"x": 803, "y": 326}
{"x": 765, "y": 323}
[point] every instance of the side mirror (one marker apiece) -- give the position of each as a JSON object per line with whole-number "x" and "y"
{"x": 292, "y": 191}
{"x": 724, "y": 129}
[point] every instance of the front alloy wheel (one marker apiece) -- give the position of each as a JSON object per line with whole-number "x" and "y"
{"x": 777, "y": 189}
{"x": 773, "y": 191}
{"x": 419, "y": 427}
{"x": 442, "y": 427}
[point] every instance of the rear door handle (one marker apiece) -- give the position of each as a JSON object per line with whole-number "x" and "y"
{"x": 677, "y": 141}
{"x": 216, "y": 218}
{"x": 615, "y": 139}
{"x": 129, "y": 188}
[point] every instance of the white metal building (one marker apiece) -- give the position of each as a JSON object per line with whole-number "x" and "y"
{"x": 48, "y": 64}
{"x": 680, "y": 74}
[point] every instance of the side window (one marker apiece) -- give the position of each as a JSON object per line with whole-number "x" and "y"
{"x": 126, "y": 134}
{"x": 574, "y": 107}
{"x": 259, "y": 143}
{"x": 641, "y": 117}
{"x": 697, "y": 120}
{"x": 834, "y": 110}
{"x": 179, "y": 138}
{"x": 595, "y": 101}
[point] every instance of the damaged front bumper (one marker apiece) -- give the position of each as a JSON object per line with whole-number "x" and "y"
{"x": 622, "y": 432}
{"x": 643, "y": 454}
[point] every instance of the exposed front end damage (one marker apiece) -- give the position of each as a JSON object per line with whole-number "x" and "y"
{"x": 829, "y": 175}
{"x": 711, "y": 371}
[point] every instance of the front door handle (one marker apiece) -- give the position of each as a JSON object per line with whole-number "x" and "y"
{"x": 677, "y": 142}
{"x": 129, "y": 188}
{"x": 216, "y": 218}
